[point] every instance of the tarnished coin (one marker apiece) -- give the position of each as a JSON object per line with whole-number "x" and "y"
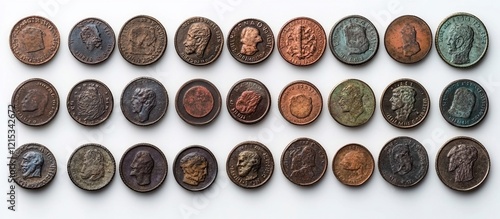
{"x": 463, "y": 103}
{"x": 91, "y": 167}
{"x": 250, "y": 164}
{"x": 463, "y": 163}
{"x": 352, "y": 103}
{"x": 198, "y": 102}
{"x": 462, "y": 40}
{"x": 250, "y": 41}
{"x": 302, "y": 41}
{"x": 248, "y": 101}
{"x": 403, "y": 162}
{"x": 353, "y": 165}
{"x": 354, "y": 40}
{"x": 35, "y": 102}
{"x": 142, "y": 40}
{"x": 195, "y": 168}
{"x": 199, "y": 41}
{"x": 304, "y": 161}
{"x": 144, "y": 101}
{"x": 91, "y": 41}
{"x": 90, "y": 102}
{"x": 300, "y": 103}
{"x": 32, "y": 166}
{"x": 34, "y": 40}
{"x": 143, "y": 167}
{"x": 405, "y": 103}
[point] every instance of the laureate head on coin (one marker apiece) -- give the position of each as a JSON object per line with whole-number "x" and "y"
{"x": 144, "y": 101}
{"x": 90, "y": 102}
{"x": 353, "y": 165}
{"x": 248, "y": 101}
{"x": 352, "y": 103}
{"x": 35, "y": 102}
{"x": 198, "y": 102}
{"x": 300, "y": 103}
{"x": 250, "y": 41}
{"x": 304, "y": 161}
{"x": 91, "y": 41}
{"x": 34, "y": 165}
{"x": 195, "y": 168}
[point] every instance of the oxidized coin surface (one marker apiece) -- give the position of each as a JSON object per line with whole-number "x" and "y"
{"x": 300, "y": 103}
{"x": 250, "y": 41}
{"x": 91, "y": 41}
{"x": 250, "y": 164}
{"x": 463, "y": 163}
{"x": 142, "y": 40}
{"x": 352, "y": 103}
{"x": 198, "y": 102}
{"x": 405, "y": 103}
{"x": 91, "y": 167}
{"x": 302, "y": 41}
{"x": 144, "y": 101}
{"x": 143, "y": 167}
{"x": 199, "y": 41}
{"x": 32, "y": 166}
{"x": 304, "y": 161}
{"x": 90, "y": 102}
{"x": 463, "y": 103}
{"x": 408, "y": 39}
{"x": 34, "y": 40}
{"x": 462, "y": 40}
{"x": 353, "y": 165}
{"x": 248, "y": 101}
{"x": 354, "y": 40}
{"x": 35, "y": 102}
{"x": 403, "y": 162}
{"x": 195, "y": 168}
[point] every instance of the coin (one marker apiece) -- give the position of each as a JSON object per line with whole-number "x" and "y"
{"x": 34, "y": 40}
{"x": 463, "y": 103}
{"x": 403, "y": 162}
{"x": 91, "y": 41}
{"x": 198, "y": 102}
{"x": 142, "y": 40}
{"x": 461, "y": 40}
{"x": 35, "y": 102}
{"x": 199, "y": 41}
{"x": 90, "y": 102}
{"x": 302, "y": 41}
{"x": 463, "y": 163}
{"x": 143, "y": 167}
{"x": 354, "y": 40}
{"x": 408, "y": 39}
{"x": 250, "y": 41}
{"x": 195, "y": 168}
{"x": 405, "y": 103}
{"x": 144, "y": 101}
{"x": 33, "y": 166}
{"x": 248, "y": 101}
{"x": 353, "y": 165}
{"x": 250, "y": 164}
{"x": 300, "y": 103}
{"x": 304, "y": 161}
{"x": 352, "y": 103}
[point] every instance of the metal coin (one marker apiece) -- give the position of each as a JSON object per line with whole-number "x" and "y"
{"x": 195, "y": 168}
{"x": 248, "y": 101}
{"x": 304, "y": 161}
{"x": 353, "y": 165}
{"x": 198, "y": 102}
{"x": 34, "y": 166}
{"x": 300, "y": 103}
{"x": 250, "y": 41}
{"x": 34, "y": 40}
{"x": 90, "y": 102}
{"x": 352, "y": 103}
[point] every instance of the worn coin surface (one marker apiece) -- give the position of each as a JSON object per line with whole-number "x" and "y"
{"x": 35, "y": 102}
{"x": 304, "y": 161}
{"x": 91, "y": 167}
{"x": 195, "y": 168}
{"x": 90, "y": 102}
{"x": 144, "y": 101}
{"x": 403, "y": 162}
{"x": 32, "y": 166}
{"x": 34, "y": 40}
{"x": 463, "y": 163}
{"x": 300, "y": 103}
{"x": 250, "y": 41}
{"x": 198, "y": 102}
{"x": 91, "y": 41}
{"x": 248, "y": 101}
{"x": 352, "y": 103}
{"x": 353, "y": 165}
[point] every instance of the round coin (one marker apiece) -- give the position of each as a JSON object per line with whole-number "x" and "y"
{"x": 353, "y": 165}
{"x": 195, "y": 168}
{"x": 352, "y": 103}
{"x": 90, "y": 102}
{"x": 304, "y": 161}
{"x": 91, "y": 41}
{"x": 300, "y": 103}
{"x": 32, "y": 166}
{"x": 198, "y": 102}
{"x": 248, "y": 101}
{"x": 250, "y": 41}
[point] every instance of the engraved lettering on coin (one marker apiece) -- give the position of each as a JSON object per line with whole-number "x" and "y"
{"x": 248, "y": 164}
{"x": 250, "y": 37}
{"x": 32, "y": 166}
{"x": 248, "y": 101}
{"x": 463, "y": 101}
{"x": 410, "y": 43}
{"x": 403, "y": 100}
{"x": 143, "y": 102}
{"x": 142, "y": 167}
{"x": 90, "y": 102}
{"x": 461, "y": 160}
{"x": 300, "y": 103}
{"x": 401, "y": 162}
{"x": 353, "y": 165}
{"x": 91, "y": 37}
{"x": 91, "y": 41}
{"x": 250, "y": 41}
{"x": 32, "y": 163}
{"x": 198, "y": 101}
{"x": 301, "y": 106}
{"x": 92, "y": 166}
{"x": 194, "y": 166}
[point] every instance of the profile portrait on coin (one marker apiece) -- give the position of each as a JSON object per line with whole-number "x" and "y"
{"x": 410, "y": 44}
{"x": 90, "y": 103}
{"x": 197, "y": 39}
{"x": 142, "y": 40}
{"x": 303, "y": 163}
{"x": 248, "y": 164}
{"x": 93, "y": 165}
{"x": 35, "y": 101}
{"x": 143, "y": 102}
{"x": 400, "y": 159}
{"x": 353, "y": 162}
{"x": 461, "y": 38}
{"x": 142, "y": 167}
{"x": 32, "y": 39}
{"x": 402, "y": 101}
{"x": 91, "y": 36}
{"x": 247, "y": 102}
{"x": 356, "y": 40}
{"x": 351, "y": 101}
{"x": 250, "y": 37}
{"x": 301, "y": 42}
{"x": 463, "y": 102}
{"x": 32, "y": 163}
{"x": 461, "y": 160}
{"x": 195, "y": 168}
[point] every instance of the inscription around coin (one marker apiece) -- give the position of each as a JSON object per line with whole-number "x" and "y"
{"x": 91, "y": 41}
{"x": 250, "y": 164}
{"x": 353, "y": 165}
{"x": 35, "y": 102}
{"x": 251, "y": 41}
{"x": 300, "y": 103}
{"x": 144, "y": 101}
{"x": 90, "y": 102}
{"x": 248, "y": 101}
{"x": 34, "y": 165}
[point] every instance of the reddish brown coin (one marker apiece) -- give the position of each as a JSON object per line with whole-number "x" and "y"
{"x": 353, "y": 165}
{"x": 248, "y": 101}
{"x": 198, "y": 102}
{"x": 300, "y": 103}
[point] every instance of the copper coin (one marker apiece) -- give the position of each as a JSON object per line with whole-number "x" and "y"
{"x": 250, "y": 41}
{"x": 408, "y": 39}
{"x": 91, "y": 41}
{"x": 302, "y": 41}
{"x": 90, "y": 102}
{"x": 34, "y": 166}
{"x": 248, "y": 101}
{"x": 352, "y": 103}
{"x": 34, "y": 40}
{"x": 35, "y": 102}
{"x": 353, "y": 165}
{"x": 195, "y": 168}
{"x": 300, "y": 103}
{"x": 304, "y": 161}
{"x": 198, "y": 102}
{"x": 142, "y": 40}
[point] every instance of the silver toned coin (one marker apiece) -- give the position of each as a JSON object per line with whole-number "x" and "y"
{"x": 34, "y": 166}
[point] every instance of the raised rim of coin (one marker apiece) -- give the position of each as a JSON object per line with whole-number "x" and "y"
{"x": 260, "y": 58}
{"x": 267, "y": 107}
{"x": 335, "y": 161}
{"x": 315, "y": 89}
{"x": 211, "y": 167}
{"x": 212, "y": 115}
{"x": 111, "y": 100}
{"x": 49, "y": 172}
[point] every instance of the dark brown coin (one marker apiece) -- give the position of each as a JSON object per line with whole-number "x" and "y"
{"x": 248, "y": 101}
{"x": 198, "y": 102}
{"x": 34, "y": 40}
{"x": 34, "y": 166}
{"x": 250, "y": 41}
{"x": 304, "y": 161}
{"x": 195, "y": 168}
{"x": 90, "y": 102}
{"x": 300, "y": 103}
{"x": 142, "y": 40}
{"x": 353, "y": 165}
{"x": 35, "y": 102}
{"x": 199, "y": 41}
{"x": 143, "y": 167}
{"x": 91, "y": 41}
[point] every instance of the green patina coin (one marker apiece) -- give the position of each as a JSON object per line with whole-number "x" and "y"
{"x": 352, "y": 103}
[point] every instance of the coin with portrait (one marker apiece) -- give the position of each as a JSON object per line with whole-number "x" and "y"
{"x": 33, "y": 165}
{"x": 91, "y": 41}
{"x": 248, "y": 101}
{"x": 300, "y": 103}
{"x": 144, "y": 101}
{"x": 250, "y": 41}
{"x": 304, "y": 161}
{"x": 90, "y": 102}
{"x": 195, "y": 168}
{"x": 351, "y": 103}
{"x": 198, "y": 102}
{"x": 353, "y": 165}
